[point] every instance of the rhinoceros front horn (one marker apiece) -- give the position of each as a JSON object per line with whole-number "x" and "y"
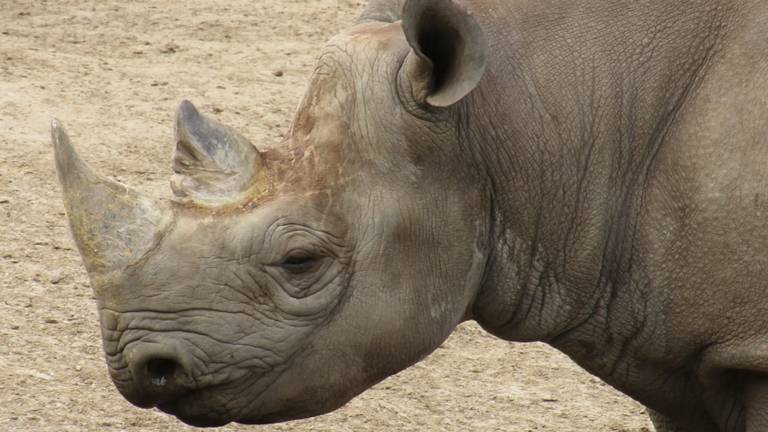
{"x": 113, "y": 225}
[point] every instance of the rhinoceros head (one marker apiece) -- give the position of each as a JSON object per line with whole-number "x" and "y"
{"x": 279, "y": 284}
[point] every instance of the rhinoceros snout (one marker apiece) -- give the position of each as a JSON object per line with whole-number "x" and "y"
{"x": 160, "y": 373}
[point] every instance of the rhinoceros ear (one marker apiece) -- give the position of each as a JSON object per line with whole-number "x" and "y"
{"x": 214, "y": 164}
{"x": 447, "y": 59}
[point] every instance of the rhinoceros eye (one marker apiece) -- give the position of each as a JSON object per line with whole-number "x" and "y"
{"x": 300, "y": 262}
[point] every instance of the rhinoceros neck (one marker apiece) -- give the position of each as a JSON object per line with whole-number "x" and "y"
{"x": 574, "y": 109}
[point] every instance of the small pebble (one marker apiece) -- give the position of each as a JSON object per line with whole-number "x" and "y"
{"x": 58, "y": 277}
{"x": 277, "y": 73}
{"x": 170, "y": 48}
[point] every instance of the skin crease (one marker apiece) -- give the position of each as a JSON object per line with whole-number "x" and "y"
{"x": 601, "y": 189}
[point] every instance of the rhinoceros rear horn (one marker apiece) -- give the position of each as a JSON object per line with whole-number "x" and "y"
{"x": 447, "y": 59}
{"x": 113, "y": 225}
{"x": 213, "y": 164}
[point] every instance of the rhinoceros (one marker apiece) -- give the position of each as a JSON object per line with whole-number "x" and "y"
{"x": 590, "y": 174}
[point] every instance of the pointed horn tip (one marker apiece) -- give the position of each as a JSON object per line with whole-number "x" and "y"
{"x": 58, "y": 134}
{"x": 69, "y": 166}
{"x": 186, "y": 111}
{"x": 62, "y": 147}
{"x": 186, "y": 115}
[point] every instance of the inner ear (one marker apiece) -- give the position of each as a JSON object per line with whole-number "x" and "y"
{"x": 448, "y": 57}
{"x": 443, "y": 46}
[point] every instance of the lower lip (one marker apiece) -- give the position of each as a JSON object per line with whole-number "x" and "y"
{"x": 194, "y": 420}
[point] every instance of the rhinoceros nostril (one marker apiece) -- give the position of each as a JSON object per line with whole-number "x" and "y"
{"x": 160, "y": 371}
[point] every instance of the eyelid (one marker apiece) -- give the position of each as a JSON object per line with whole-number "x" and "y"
{"x": 294, "y": 257}
{"x": 287, "y": 239}
{"x": 298, "y": 252}
{"x": 315, "y": 248}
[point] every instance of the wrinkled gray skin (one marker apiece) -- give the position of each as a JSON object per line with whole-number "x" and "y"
{"x": 590, "y": 174}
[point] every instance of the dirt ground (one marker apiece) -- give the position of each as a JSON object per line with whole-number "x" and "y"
{"x": 113, "y": 73}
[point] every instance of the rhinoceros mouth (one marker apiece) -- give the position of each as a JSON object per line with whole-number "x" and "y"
{"x": 202, "y": 407}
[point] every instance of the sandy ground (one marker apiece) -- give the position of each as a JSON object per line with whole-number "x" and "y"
{"x": 113, "y": 72}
